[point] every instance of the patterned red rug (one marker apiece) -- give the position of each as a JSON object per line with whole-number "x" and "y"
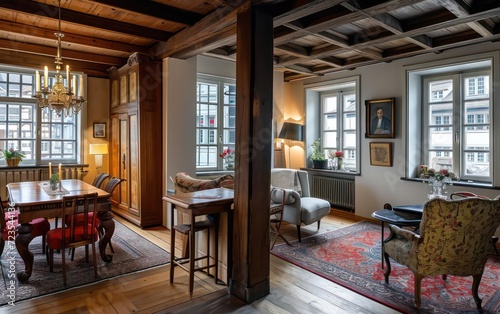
{"x": 351, "y": 257}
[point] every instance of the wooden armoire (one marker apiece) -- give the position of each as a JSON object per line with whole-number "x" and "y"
{"x": 136, "y": 140}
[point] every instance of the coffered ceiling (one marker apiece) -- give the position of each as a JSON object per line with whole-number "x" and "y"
{"x": 311, "y": 37}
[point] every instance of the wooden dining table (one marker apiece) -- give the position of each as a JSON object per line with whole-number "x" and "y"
{"x": 32, "y": 201}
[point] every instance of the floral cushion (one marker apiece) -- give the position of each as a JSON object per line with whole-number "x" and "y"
{"x": 185, "y": 183}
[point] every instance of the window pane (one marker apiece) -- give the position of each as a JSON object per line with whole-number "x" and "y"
{"x": 477, "y": 164}
{"x": 28, "y": 149}
{"x": 330, "y": 140}
{"x": 350, "y": 139}
{"x": 349, "y": 102}
{"x": 3, "y": 89}
{"x": 349, "y": 121}
{"x": 437, "y": 112}
{"x": 330, "y": 122}
{"x": 477, "y": 139}
{"x": 439, "y": 138}
{"x": 438, "y": 161}
{"x": 441, "y": 91}
{"x": 330, "y": 104}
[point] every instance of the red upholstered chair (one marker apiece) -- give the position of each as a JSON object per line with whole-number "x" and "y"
{"x": 75, "y": 234}
{"x": 110, "y": 187}
{"x": 9, "y": 222}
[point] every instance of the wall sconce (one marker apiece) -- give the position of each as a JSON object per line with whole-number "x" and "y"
{"x": 98, "y": 150}
{"x": 292, "y": 132}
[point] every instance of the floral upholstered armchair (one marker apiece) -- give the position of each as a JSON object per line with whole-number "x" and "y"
{"x": 455, "y": 239}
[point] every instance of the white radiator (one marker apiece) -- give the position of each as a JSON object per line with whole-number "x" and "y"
{"x": 21, "y": 174}
{"x": 339, "y": 192}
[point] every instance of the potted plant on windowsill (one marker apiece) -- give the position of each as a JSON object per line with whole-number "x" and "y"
{"x": 13, "y": 157}
{"x": 318, "y": 157}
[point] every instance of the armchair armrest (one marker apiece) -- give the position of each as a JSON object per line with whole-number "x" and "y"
{"x": 290, "y": 196}
{"x": 405, "y": 233}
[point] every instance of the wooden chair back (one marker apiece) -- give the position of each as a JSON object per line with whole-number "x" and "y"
{"x": 77, "y": 208}
{"x": 112, "y": 184}
{"x": 99, "y": 179}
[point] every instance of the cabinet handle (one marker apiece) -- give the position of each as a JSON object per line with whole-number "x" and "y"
{"x": 123, "y": 161}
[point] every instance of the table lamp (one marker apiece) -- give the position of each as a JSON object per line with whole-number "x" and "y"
{"x": 98, "y": 150}
{"x": 293, "y": 132}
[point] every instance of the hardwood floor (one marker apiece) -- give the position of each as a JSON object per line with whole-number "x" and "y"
{"x": 293, "y": 290}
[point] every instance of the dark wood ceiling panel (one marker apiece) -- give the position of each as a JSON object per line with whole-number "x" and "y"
{"x": 311, "y": 37}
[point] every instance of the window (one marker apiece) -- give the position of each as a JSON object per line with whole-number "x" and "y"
{"x": 339, "y": 124}
{"x": 337, "y": 110}
{"x": 216, "y": 120}
{"x": 462, "y": 137}
{"x": 41, "y": 135}
{"x": 454, "y": 132}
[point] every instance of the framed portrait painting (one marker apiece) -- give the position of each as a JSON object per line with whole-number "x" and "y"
{"x": 380, "y": 118}
{"x": 381, "y": 154}
{"x": 99, "y": 129}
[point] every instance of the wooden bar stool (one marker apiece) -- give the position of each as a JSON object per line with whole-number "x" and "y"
{"x": 180, "y": 261}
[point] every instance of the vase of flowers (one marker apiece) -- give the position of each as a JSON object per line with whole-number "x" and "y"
{"x": 339, "y": 157}
{"x": 228, "y": 155}
{"x": 437, "y": 181}
{"x": 13, "y": 157}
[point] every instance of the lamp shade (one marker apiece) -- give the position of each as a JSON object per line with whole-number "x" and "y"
{"x": 98, "y": 149}
{"x": 291, "y": 131}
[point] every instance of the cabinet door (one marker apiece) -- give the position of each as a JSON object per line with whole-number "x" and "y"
{"x": 135, "y": 188}
{"x": 114, "y": 170}
{"x": 124, "y": 162}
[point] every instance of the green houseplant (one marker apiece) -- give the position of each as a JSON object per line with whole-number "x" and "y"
{"x": 318, "y": 157}
{"x": 13, "y": 157}
{"x": 54, "y": 181}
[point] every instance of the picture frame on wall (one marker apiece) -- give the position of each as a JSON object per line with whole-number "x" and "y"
{"x": 381, "y": 154}
{"x": 100, "y": 129}
{"x": 380, "y": 118}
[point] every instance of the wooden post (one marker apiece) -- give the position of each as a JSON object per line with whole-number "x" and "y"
{"x": 254, "y": 140}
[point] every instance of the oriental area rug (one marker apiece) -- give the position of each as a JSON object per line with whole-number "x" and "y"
{"x": 351, "y": 257}
{"x": 132, "y": 253}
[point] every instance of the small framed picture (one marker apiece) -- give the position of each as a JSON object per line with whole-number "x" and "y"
{"x": 99, "y": 129}
{"x": 381, "y": 154}
{"x": 380, "y": 118}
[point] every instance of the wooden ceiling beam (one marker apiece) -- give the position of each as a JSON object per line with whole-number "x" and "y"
{"x": 39, "y": 32}
{"x": 49, "y": 11}
{"x": 208, "y": 31}
{"x": 155, "y": 9}
{"x": 28, "y": 60}
{"x": 11, "y": 45}
{"x": 288, "y": 11}
{"x": 462, "y": 9}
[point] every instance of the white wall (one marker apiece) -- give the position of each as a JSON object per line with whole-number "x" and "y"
{"x": 179, "y": 120}
{"x": 97, "y": 110}
{"x": 378, "y": 185}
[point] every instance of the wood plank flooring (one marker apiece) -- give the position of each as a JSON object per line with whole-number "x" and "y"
{"x": 293, "y": 290}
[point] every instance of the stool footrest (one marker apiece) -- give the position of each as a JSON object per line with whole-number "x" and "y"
{"x": 198, "y": 226}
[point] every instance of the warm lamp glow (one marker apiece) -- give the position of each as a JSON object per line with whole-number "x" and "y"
{"x": 98, "y": 150}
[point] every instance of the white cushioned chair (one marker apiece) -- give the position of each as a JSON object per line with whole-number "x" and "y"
{"x": 300, "y": 207}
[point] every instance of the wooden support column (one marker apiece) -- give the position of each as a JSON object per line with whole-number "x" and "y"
{"x": 254, "y": 106}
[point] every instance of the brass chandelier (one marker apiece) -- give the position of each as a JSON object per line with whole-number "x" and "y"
{"x": 59, "y": 97}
